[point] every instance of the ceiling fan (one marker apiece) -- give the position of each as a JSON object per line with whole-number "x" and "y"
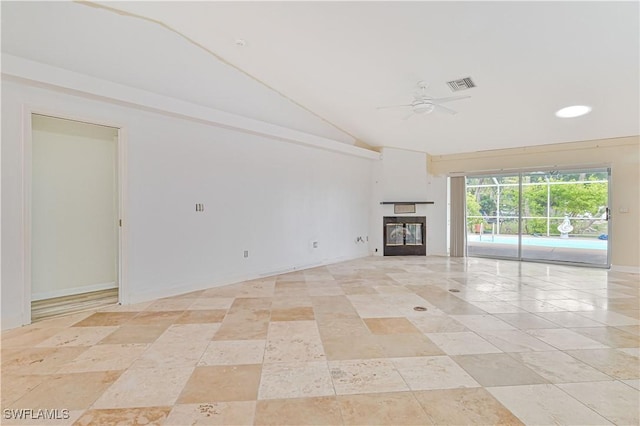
{"x": 424, "y": 104}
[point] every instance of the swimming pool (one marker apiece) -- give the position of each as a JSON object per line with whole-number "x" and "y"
{"x": 581, "y": 243}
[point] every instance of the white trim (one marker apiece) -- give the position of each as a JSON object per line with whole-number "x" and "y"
{"x": 76, "y": 83}
{"x": 26, "y": 216}
{"x": 626, "y": 269}
{"x": 73, "y": 291}
{"x": 121, "y": 279}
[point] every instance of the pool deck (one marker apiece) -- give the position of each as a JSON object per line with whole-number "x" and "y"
{"x": 558, "y": 254}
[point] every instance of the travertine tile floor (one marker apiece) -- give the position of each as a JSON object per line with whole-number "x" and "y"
{"x": 517, "y": 343}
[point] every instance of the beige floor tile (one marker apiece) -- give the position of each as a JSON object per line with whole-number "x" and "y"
{"x": 104, "y": 358}
{"x": 235, "y": 413}
{"x": 437, "y": 323}
{"x": 462, "y": 343}
{"x": 288, "y": 301}
{"x": 251, "y": 304}
{"x": 295, "y": 380}
{"x": 413, "y": 344}
{"x": 631, "y": 351}
{"x": 610, "y": 318}
{"x": 201, "y": 316}
{"x": 39, "y": 360}
{"x": 613, "y": 400}
{"x": 558, "y": 367}
{"x": 28, "y": 336}
{"x": 464, "y": 407}
{"x": 75, "y": 391}
{"x": 243, "y": 329}
{"x": 105, "y": 319}
{"x": 482, "y": 322}
{"x": 78, "y": 336}
{"x": 365, "y": 376}
{"x": 497, "y": 370}
{"x": 181, "y": 333}
{"x": 233, "y": 352}
{"x": 351, "y": 347}
{"x": 304, "y": 313}
{"x": 545, "y": 404}
{"x": 434, "y": 372}
{"x": 527, "y": 321}
{"x": 134, "y": 334}
{"x": 350, "y": 329}
{"x": 145, "y": 387}
{"x": 341, "y": 327}
{"x": 212, "y": 303}
{"x": 298, "y": 411}
{"x": 397, "y": 408}
{"x": 124, "y": 416}
{"x": 172, "y": 355}
{"x": 12, "y": 386}
{"x": 135, "y": 307}
{"x": 222, "y": 384}
{"x": 390, "y": 326}
{"x": 568, "y": 319}
{"x": 612, "y": 362}
{"x": 171, "y": 304}
{"x": 332, "y": 290}
{"x": 610, "y": 336}
{"x": 293, "y": 341}
{"x": 564, "y": 339}
{"x": 514, "y": 341}
{"x": 155, "y": 318}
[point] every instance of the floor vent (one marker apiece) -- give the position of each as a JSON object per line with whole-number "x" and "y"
{"x": 461, "y": 84}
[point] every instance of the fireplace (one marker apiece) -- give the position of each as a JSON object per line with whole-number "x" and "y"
{"x": 405, "y": 235}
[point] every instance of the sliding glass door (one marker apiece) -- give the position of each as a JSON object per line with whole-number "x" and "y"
{"x": 558, "y": 216}
{"x": 493, "y": 206}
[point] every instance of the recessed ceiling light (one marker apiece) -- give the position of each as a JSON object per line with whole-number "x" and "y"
{"x": 573, "y": 111}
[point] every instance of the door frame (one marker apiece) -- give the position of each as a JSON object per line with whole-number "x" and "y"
{"x": 121, "y": 171}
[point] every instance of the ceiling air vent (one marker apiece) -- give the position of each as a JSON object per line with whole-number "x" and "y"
{"x": 462, "y": 84}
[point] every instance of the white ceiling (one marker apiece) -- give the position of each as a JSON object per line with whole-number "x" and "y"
{"x": 341, "y": 60}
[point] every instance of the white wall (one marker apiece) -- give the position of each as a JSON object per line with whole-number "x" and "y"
{"x": 403, "y": 176}
{"x": 269, "y": 197}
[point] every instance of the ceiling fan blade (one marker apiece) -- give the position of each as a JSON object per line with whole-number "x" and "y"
{"x": 445, "y": 109}
{"x": 393, "y": 106}
{"x": 449, "y": 99}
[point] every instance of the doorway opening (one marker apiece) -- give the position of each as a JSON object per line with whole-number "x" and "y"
{"x": 74, "y": 217}
{"x": 550, "y": 216}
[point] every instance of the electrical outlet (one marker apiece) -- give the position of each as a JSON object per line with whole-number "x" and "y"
{"x": 314, "y": 244}
{"x": 199, "y": 207}
{"x": 246, "y": 253}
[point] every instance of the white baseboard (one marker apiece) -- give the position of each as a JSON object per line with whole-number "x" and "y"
{"x": 626, "y": 269}
{"x": 71, "y": 291}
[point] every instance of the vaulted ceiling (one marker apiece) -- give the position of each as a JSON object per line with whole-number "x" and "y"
{"x": 326, "y": 67}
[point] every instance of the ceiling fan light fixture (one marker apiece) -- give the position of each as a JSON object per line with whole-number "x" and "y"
{"x": 573, "y": 111}
{"x": 423, "y": 108}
